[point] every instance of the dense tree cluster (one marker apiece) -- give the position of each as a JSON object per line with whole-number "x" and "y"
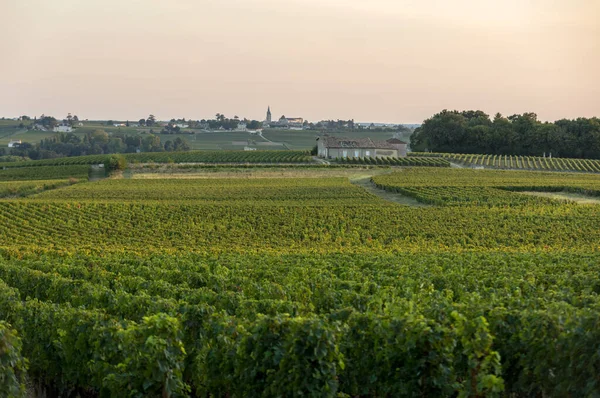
{"x": 96, "y": 143}
{"x": 221, "y": 121}
{"x": 334, "y": 124}
{"x": 475, "y": 132}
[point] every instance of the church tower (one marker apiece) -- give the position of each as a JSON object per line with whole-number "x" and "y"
{"x": 268, "y": 115}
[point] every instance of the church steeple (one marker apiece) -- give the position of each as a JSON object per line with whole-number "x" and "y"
{"x": 268, "y": 114}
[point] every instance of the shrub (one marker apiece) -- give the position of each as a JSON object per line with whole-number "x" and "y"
{"x": 115, "y": 163}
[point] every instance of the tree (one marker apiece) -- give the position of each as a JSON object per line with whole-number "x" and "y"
{"x": 115, "y": 163}
{"x": 142, "y": 122}
{"x": 151, "y": 143}
{"x": 151, "y": 121}
{"x": 180, "y": 145}
{"x": 99, "y": 137}
{"x": 48, "y": 122}
{"x": 254, "y": 124}
{"x": 116, "y": 145}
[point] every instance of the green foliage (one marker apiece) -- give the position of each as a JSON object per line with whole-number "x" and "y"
{"x": 178, "y": 157}
{"x": 115, "y": 163}
{"x": 475, "y": 132}
{"x": 304, "y": 287}
{"x": 12, "y": 364}
{"x": 483, "y": 363}
{"x": 408, "y": 161}
{"x": 456, "y": 187}
{"x": 537, "y": 163}
{"x": 44, "y": 173}
{"x": 152, "y": 360}
{"x": 16, "y": 189}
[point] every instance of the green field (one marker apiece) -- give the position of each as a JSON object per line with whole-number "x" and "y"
{"x": 303, "y": 282}
{"x": 197, "y": 139}
{"x": 306, "y": 139}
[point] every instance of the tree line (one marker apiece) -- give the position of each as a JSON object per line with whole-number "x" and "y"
{"x": 475, "y": 132}
{"x": 96, "y": 143}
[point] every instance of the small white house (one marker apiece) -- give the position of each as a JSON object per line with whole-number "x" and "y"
{"x": 12, "y": 143}
{"x": 63, "y": 129}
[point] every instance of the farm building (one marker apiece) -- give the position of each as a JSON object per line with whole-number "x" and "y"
{"x": 401, "y": 146}
{"x": 14, "y": 143}
{"x": 63, "y": 128}
{"x": 337, "y": 147}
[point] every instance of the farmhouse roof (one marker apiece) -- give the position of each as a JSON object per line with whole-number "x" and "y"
{"x": 395, "y": 141}
{"x": 342, "y": 142}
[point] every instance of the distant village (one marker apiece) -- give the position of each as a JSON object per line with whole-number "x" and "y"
{"x": 220, "y": 122}
{"x": 333, "y": 138}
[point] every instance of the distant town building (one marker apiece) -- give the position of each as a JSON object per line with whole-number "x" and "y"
{"x": 13, "y": 143}
{"x": 63, "y": 128}
{"x": 340, "y": 147}
{"x": 372, "y": 126}
{"x": 290, "y": 121}
{"x": 295, "y": 123}
{"x": 241, "y": 127}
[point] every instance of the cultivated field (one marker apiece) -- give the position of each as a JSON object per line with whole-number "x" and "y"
{"x": 292, "y": 281}
{"x": 519, "y": 162}
{"x": 197, "y": 139}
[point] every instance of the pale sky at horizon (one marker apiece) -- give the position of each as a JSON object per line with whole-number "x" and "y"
{"x": 377, "y": 60}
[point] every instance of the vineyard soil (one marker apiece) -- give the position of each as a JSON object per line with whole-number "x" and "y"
{"x": 568, "y": 196}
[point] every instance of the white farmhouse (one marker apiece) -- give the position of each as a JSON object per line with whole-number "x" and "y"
{"x": 12, "y": 143}
{"x": 63, "y": 129}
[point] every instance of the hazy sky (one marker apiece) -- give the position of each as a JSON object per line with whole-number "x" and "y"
{"x": 371, "y": 60}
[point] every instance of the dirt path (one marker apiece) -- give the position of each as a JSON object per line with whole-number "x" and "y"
{"x": 364, "y": 180}
{"x": 574, "y": 197}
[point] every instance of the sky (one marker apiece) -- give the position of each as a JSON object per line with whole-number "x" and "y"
{"x": 394, "y": 61}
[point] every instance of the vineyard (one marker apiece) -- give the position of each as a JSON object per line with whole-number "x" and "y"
{"x": 518, "y": 162}
{"x": 454, "y": 187}
{"x": 177, "y": 157}
{"x": 27, "y": 188}
{"x": 389, "y": 161}
{"x": 44, "y": 173}
{"x": 281, "y": 191}
{"x": 243, "y": 287}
